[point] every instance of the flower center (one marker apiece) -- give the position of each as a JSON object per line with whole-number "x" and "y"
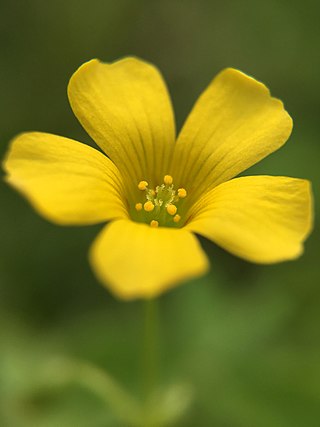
{"x": 160, "y": 206}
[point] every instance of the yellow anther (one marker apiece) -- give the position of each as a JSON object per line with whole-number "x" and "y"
{"x": 154, "y": 224}
{"x": 143, "y": 185}
{"x": 148, "y": 206}
{"x": 182, "y": 193}
{"x": 138, "y": 206}
{"x": 171, "y": 209}
{"x": 176, "y": 218}
{"x": 168, "y": 180}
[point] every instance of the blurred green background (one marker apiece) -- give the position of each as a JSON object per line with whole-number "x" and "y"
{"x": 246, "y": 337}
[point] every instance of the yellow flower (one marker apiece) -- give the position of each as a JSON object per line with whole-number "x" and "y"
{"x": 157, "y": 191}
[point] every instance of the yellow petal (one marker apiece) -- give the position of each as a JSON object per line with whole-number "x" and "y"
{"x": 126, "y": 109}
{"x": 138, "y": 261}
{"x": 66, "y": 181}
{"x": 234, "y": 124}
{"x": 262, "y": 219}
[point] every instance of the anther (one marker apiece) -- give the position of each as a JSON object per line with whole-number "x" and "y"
{"x": 148, "y": 206}
{"x": 143, "y": 185}
{"x": 182, "y": 193}
{"x": 138, "y": 206}
{"x": 171, "y": 209}
{"x": 176, "y": 218}
{"x": 167, "y": 179}
{"x": 154, "y": 224}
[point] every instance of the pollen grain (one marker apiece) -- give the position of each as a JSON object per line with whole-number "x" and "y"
{"x": 143, "y": 185}
{"x": 182, "y": 193}
{"x": 176, "y": 218}
{"x": 167, "y": 179}
{"x": 171, "y": 209}
{"x": 148, "y": 206}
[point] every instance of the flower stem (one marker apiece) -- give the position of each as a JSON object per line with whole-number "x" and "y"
{"x": 150, "y": 350}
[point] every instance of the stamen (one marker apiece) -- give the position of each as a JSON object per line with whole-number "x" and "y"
{"x": 182, "y": 193}
{"x": 143, "y": 185}
{"x": 171, "y": 209}
{"x": 161, "y": 205}
{"x": 168, "y": 180}
{"x": 176, "y": 218}
{"x": 148, "y": 206}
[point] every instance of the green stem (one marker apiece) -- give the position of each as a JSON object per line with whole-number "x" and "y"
{"x": 151, "y": 350}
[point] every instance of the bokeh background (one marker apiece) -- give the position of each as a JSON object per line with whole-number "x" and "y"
{"x": 246, "y": 337}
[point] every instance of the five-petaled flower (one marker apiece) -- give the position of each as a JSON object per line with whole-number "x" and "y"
{"x": 156, "y": 191}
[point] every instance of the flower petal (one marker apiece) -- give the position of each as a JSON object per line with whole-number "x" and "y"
{"x": 66, "y": 181}
{"x": 262, "y": 219}
{"x": 135, "y": 260}
{"x": 126, "y": 109}
{"x": 234, "y": 124}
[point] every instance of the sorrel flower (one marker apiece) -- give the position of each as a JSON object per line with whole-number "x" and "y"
{"x": 156, "y": 191}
